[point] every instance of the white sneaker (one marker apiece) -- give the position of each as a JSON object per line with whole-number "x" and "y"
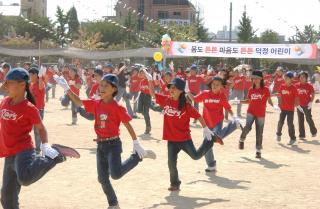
{"x": 211, "y": 169}
{"x": 150, "y": 154}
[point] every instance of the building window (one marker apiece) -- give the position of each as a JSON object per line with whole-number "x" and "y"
{"x": 162, "y": 15}
{"x": 173, "y": 2}
{"x": 159, "y": 1}
{"x": 176, "y": 13}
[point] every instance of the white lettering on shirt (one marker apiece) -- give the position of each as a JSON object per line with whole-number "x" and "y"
{"x": 8, "y": 115}
{"x": 285, "y": 92}
{"x": 256, "y": 97}
{"x": 211, "y": 100}
{"x": 302, "y": 91}
{"x": 170, "y": 111}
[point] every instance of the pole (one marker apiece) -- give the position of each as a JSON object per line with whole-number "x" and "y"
{"x": 39, "y": 52}
{"x": 230, "y": 24}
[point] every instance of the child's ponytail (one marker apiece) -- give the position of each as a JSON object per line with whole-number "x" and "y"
{"x": 29, "y": 96}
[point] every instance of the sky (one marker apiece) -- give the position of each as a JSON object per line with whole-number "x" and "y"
{"x": 279, "y": 15}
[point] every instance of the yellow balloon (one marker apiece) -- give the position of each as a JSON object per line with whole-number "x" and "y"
{"x": 157, "y": 56}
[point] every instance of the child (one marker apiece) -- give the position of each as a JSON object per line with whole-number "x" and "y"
{"x": 238, "y": 89}
{"x": 134, "y": 86}
{"x": 306, "y": 97}
{"x": 257, "y": 99}
{"x": 75, "y": 85}
{"x": 176, "y": 129}
{"x": 144, "y": 101}
{"x": 215, "y": 101}
{"x": 108, "y": 114}
{"x": 94, "y": 91}
{"x": 288, "y": 96}
{"x": 37, "y": 89}
{"x": 164, "y": 83}
{"x": 18, "y": 115}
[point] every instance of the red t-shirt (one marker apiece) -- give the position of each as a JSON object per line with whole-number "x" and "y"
{"x": 288, "y": 95}
{"x": 107, "y": 117}
{"x": 305, "y": 91}
{"x": 16, "y": 122}
{"x": 89, "y": 80}
{"x": 181, "y": 75}
{"x": 213, "y": 105}
{"x": 258, "y": 98}
{"x": 278, "y": 82}
{"x": 194, "y": 83}
{"x": 176, "y": 126}
{"x": 94, "y": 90}
{"x": 134, "y": 84}
{"x": 73, "y": 88}
{"x": 50, "y": 72}
{"x": 267, "y": 80}
{"x": 248, "y": 83}
{"x": 144, "y": 86}
{"x": 38, "y": 95}
{"x": 163, "y": 88}
{"x": 239, "y": 82}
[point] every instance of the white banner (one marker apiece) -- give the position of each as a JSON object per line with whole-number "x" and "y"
{"x": 269, "y": 51}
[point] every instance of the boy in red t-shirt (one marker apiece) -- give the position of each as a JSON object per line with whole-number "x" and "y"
{"x": 288, "y": 96}
{"x": 238, "y": 82}
{"x": 258, "y": 96}
{"x": 306, "y": 97}
{"x": 177, "y": 112}
{"x": 108, "y": 114}
{"x": 134, "y": 89}
{"x": 22, "y": 166}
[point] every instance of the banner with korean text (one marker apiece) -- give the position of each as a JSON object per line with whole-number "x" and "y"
{"x": 269, "y": 51}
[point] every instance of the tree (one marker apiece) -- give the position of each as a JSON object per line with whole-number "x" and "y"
{"x": 269, "y": 37}
{"x": 88, "y": 40}
{"x": 246, "y": 32}
{"x": 62, "y": 26}
{"x": 73, "y": 23}
{"x": 308, "y": 35}
{"x": 202, "y": 32}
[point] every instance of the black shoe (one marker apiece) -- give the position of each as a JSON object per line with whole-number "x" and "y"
{"x": 292, "y": 141}
{"x": 173, "y": 188}
{"x": 148, "y": 130}
{"x": 241, "y": 145}
{"x": 258, "y": 155}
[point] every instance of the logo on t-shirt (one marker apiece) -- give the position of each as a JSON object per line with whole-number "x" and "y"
{"x": 285, "y": 92}
{"x": 302, "y": 91}
{"x": 211, "y": 100}
{"x": 8, "y": 115}
{"x": 103, "y": 117}
{"x": 256, "y": 96}
{"x": 167, "y": 110}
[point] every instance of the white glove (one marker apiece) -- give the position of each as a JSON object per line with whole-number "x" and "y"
{"x": 309, "y": 105}
{"x": 208, "y": 134}
{"x": 48, "y": 151}
{"x": 62, "y": 82}
{"x": 276, "y": 108}
{"x": 72, "y": 83}
{"x": 138, "y": 148}
{"x": 42, "y": 71}
{"x": 186, "y": 88}
{"x": 300, "y": 109}
{"x": 96, "y": 97}
{"x": 148, "y": 75}
{"x": 236, "y": 119}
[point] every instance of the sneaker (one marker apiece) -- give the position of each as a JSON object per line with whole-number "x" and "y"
{"x": 278, "y": 138}
{"x": 292, "y": 141}
{"x": 148, "y": 130}
{"x": 74, "y": 121}
{"x": 150, "y": 154}
{"x": 173, "y": 188}
{"x": 114, "y": 207}
{"x": 211, "y": 169}
{"x": 314, "y": 135}
{"x": 258, "y": 155}
{"x": 66, "y": 151}
{"x": 241, "y": 145}
{"x": 217, "y": 139}
{"x": 302, "y": 138}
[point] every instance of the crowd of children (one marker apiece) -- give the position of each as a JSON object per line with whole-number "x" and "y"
{"x": 177, "y": 93}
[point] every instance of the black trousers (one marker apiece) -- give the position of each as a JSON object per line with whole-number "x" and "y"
{"x": 289, "y": 115}
{"x": 307, "y": 114}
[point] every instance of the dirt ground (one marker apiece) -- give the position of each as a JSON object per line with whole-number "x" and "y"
{"x": 286, "y": 176}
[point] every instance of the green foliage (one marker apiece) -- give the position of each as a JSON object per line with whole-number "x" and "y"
{"x": 269, "y": 37}
{"x": 62, "y": 26}
{"x": 246, "y": 32}
{"x": 73, "y": 23}
{"x": 202, "y": 32}
{"x": 308, "y": 35}
{"x": 7, "y": 24}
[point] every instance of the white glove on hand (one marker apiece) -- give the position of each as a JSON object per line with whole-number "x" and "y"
{"x": 186, "y": 88}
{"x": 42, "y": 72}
{"x": 309, "y": 105}
{"x": 48, "y": 151}
{"x": 276, "y": 108}
{"x": 138, "y": 148}
{"x": 300, "y": 109}
{"x": 208, "y": 134}
{"x": 62, "y": 82}
{"x": 148, "y": 75}
{"x": 236, "y": 119}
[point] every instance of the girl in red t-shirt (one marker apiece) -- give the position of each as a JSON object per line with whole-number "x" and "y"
{"x": 177, "y": 112}
{"x": 22, "y": 167}
{"x": 258, "y": 96}
{"x": 37, "y": 88}
{"x": 108, "y": 114}
{"x": 75, "y": 83}
{"x": 214, "y": 101}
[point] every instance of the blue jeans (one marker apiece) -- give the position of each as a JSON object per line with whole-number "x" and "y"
{"x": 188, "y": 147}
{"x": 36, "y": 133}
{"x": 122, "y": 93}
{"x": 65, "y": 102}
{"x": 109, "y": 163}
{"x": 144, "y": 104}
{"x": 231, "y": 127}
{"x": 240, "y": 96}
{"x": 23, "y": 169}
{"x": 134, "y": 96}
{"x": 259, "y": 121}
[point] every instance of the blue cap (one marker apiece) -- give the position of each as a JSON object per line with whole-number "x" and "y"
{"x": 193, "y": 67}
{"x": 112, "y": 79}
{"x": 290, "y": 74}
{"x": 17, "y": 74}
{"x": 98, "y": 71}
{"x": 178, "y": 83}
{"x": 108, "y": 65}
{"x": 34, "y": 70}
